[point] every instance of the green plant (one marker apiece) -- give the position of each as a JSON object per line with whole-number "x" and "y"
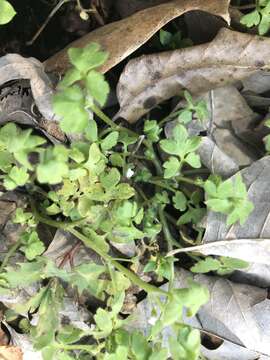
{"x": 260, "y": 17}
{"x": 174, "y": 41}
{"x": 7, "y": 12}
{"x": 111, "y": 185}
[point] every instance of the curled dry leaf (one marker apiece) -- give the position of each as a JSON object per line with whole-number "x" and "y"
{"x": 229, "y": 57}
{"x": 14, "y": 67}
{"x": 235, "y": 314}
{"x": 137, "y": 29}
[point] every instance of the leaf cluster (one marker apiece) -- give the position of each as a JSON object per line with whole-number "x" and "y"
{"x": 260, "y": 17}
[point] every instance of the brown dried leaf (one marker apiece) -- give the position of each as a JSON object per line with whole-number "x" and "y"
{"x": 149, "y": 80}
{"x": 11, "y": 353}
{"x": 123, "y": 37}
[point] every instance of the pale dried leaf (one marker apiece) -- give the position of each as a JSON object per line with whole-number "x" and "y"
{"x": 250, "y": 242}
{"x": 229, "y": 142}
{"x": 137, "y": 29}
{"x": 234, "y": 313}
{"x": 22, "y": 341}
{"x": 11, "y": 353}
{"x": 251, "y": 250}
{"x": 229, "y": 57}
{"x": 14, "y": 66}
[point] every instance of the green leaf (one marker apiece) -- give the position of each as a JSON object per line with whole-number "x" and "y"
{"x": 69, "y": 105}
{"x": 165, "y": 37}
{"x": 71, "y": 76}
{"x": 206, "y": 265}
{"x": 88, "y": 58}
{"x": 185, "y": 116}
{"x": 86, "y": 277}
{"x": 21, "y": 216}
{"x": 139, "y": 346}
{"x": 110, "y": 141}
{"x": 177, "y": 351}
{"x": 193, "y": 215}
{"x": 264, "y": 25}
{"x": 210, "y": 188}
{"x": 159, "y": 355}
{"x": 110, "y": 179}
{"x": 219, "y": 205}
{"x": 6, "y": 160}
{"x": 125, "y": 234}
{"x": 16, "y": 177}
{"x": 234, "y": 263}
{"x": 180, "y": 201}
{"x": 251, "y": 19}
{"x": 116, "y": 160}
{"x": 69, "y": 334}
{"x": 97, "y": 87}
{"x": 7, "y": 12}
{"x": 169, "y": 146}
{"x": 25, "y": 274}
{"x": 32, "y": 245}
{"x": 193, "y": 160}
{"x": 226, "y": 189}
{"x": 192, "y": 297}
{"x": 152, "y": 130}
{"x": 103, "y": 321}
{"x": 172, "y": 167}
{"x": 53, "y": 167}
{"x": 91, "y": 131}
{"x": 48, "y": 322}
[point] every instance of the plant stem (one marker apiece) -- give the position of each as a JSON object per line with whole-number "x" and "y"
{"x": 160, "y": 184}
{"x": 10, "y": 252}
{"x": 129, "y": 274}
{"x": 114, "y": 126}
{"x": 52, "y": 13}
{"x": 87, "y": 348}
{"x": 189, "y": 181}
{"x": 165, "y": 228}
{"x": 91, "y": 244}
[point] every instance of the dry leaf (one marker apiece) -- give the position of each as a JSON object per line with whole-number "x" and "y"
{"x": 14, "y": 67}
{"x": 251, "y": 250}
{"x": 229, "y": 141}
{"x": 23, "y": 342}
{"x": 235, "y": 313}
{"x": 134, "y": 31}
{"x": 229, "y": 57}
{"x": 250, "y": 242}
{"x": 10, "y": 353}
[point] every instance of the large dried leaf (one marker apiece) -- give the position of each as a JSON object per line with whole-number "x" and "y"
{"x": 235, "y": 313}
{"x": 250, "y": 242}
{"x": 135, "y": 30}
{"x": 148, "y": 80}
{"x": 229, "y": 141}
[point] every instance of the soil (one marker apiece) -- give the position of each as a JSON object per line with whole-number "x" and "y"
{"x": 64, "y": 27}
